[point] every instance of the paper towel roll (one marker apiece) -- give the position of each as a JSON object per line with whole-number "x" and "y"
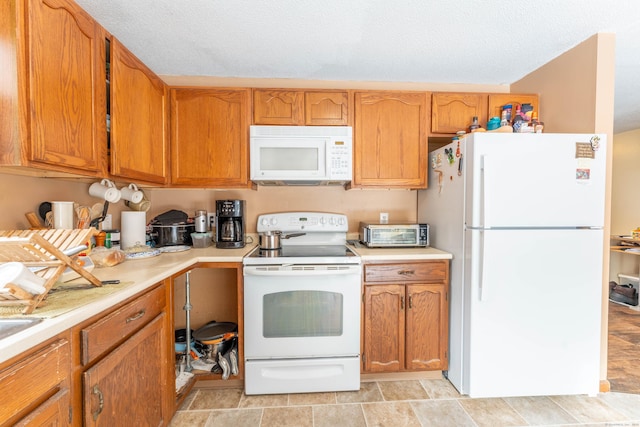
{"x": 133, "y": 227}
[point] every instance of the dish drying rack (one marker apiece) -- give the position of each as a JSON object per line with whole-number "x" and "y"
{"x": 41, "y": 248}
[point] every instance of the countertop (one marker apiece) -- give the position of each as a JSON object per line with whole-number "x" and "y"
{"x": 393, "y": 254}
{"x": 146, "y": 272}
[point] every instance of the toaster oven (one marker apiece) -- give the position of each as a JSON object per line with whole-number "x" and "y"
{"x": 376, "y": 235}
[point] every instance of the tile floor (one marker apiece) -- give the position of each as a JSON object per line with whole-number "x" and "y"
{"x": 434, "y": 402}
{"x": 402, "y": 403}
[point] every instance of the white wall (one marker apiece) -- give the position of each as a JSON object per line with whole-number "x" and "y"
{"x": 625, "y": 191}
{"x": 625, "y": 199}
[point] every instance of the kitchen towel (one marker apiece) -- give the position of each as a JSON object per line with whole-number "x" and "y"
{"x": 133, "y": 227}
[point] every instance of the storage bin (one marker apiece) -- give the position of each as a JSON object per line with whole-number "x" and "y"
{"x": 629, "y": 279}
{"x": 201, "y": 240}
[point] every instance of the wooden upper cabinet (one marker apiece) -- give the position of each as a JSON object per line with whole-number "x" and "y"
{"x": 390, "y": 139}
{"x": 326, "y": 108}
{"x": 210, "y": 137}
{"x": 300, "y": 107}
{"x": 139, "y": 119}
{"x": 496, "y": 101}
{"x": 51, "y": 57}
{"x": 278, "y": 107}
{"x": 452, "y": 112}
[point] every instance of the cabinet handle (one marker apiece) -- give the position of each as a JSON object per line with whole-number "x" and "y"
{"x": 136, "y": 316}
{"x": 410, "y": 301}
{"x": 406, "y": 272}
{"x": 97, "y": 391}
{"x": 401, "y": 303}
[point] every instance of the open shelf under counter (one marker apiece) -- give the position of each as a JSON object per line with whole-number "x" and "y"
{"x": 625, "y": 244}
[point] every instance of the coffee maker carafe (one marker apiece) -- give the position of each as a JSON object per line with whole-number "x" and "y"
{"x": 230, "y": 224}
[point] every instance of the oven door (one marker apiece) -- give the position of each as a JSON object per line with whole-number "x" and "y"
{"x": 301, "y": 311}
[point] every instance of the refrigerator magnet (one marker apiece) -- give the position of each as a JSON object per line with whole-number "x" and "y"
{"x": 583, "y": 174}
{"x": 584, "y": 150}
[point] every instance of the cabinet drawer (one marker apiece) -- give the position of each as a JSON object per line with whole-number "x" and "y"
{"x": 429, "y": 271}
{"x": 34, "y": 378}
{"x": 111, "y": 330}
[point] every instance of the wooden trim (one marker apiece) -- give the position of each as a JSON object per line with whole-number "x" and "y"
{"x": 398, "y": 376}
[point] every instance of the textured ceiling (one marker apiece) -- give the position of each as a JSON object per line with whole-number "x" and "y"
{"x": 490, "y": 42}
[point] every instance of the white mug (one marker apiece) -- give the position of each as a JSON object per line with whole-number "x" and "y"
{"x": 143, "y": 205}
{"x": 106, "y": 190}
{"x": 131, "y": 193}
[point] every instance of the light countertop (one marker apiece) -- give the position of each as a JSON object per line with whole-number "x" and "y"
{"x": 397, "y": 254}
{"x": 145, "y": 273}
{"x": 141, "y": 273}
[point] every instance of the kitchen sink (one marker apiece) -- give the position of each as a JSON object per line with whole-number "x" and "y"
{"x": 13, "y": 326}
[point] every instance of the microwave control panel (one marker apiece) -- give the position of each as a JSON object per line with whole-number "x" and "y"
{"x": 339, "y": 158}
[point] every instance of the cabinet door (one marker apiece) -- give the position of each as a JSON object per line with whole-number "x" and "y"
{"x": 427, "y": 327}
{"x": 139, "y": 122}
{"x": 390, "y": 139}
{"x": 126, "y": 387}
{"x": 278, "y": 107}
{"x": 384, "y": 328}
{"x": 63, "y": 84}
{"x": 210, "y": 137}
{"x": 452, "y": 112}
{"x": 326, "y": 108}
{"x": 496, "y": 101}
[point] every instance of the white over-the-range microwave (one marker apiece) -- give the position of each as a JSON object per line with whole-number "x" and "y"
{"x": 301, "y": 155}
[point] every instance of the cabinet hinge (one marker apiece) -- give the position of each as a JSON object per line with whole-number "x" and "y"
{"x": 70, "y": 414}
{"x": 364, "y": 359}
{"x": 363, "y": 297}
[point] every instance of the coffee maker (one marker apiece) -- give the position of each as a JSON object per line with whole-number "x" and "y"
{"x": 230, "y": 224}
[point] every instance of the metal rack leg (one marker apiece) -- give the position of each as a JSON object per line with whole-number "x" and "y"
{"x": 187, "y": 309}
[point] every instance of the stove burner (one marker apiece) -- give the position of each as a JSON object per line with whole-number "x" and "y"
{"x": 304, "y": 251}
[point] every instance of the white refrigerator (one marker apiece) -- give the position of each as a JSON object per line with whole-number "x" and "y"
{"x": 523, "y": 216}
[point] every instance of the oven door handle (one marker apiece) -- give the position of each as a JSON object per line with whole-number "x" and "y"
{"x": 252, "y": 271}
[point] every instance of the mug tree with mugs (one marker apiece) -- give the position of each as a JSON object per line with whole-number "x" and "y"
{"x": 107, "y": 190}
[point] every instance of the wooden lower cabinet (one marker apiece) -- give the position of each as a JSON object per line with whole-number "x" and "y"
{"x": 126, "y": 387}
{"x": 53, "y": 412}
{"x": 406, "y": 322}
{"x": 35, "y": 388}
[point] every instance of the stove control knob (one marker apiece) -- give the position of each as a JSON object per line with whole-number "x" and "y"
{"x": 264, "y": 222}
{"x": 273, "y": 221}
{"x": 332, "y": 220}
{"x": 323, "y": 220}
{"x": 341, "y": 221}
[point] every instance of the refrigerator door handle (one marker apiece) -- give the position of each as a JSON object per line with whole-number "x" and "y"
{"x": 485, "y": 191}
{"x": 482, "y": 290}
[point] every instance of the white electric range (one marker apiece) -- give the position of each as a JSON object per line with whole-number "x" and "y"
{"x": 302, "y": 307}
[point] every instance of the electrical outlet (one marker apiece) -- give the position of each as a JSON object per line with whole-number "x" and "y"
{"x": 384, "y": 218}
{"x": 107, "y": 223}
